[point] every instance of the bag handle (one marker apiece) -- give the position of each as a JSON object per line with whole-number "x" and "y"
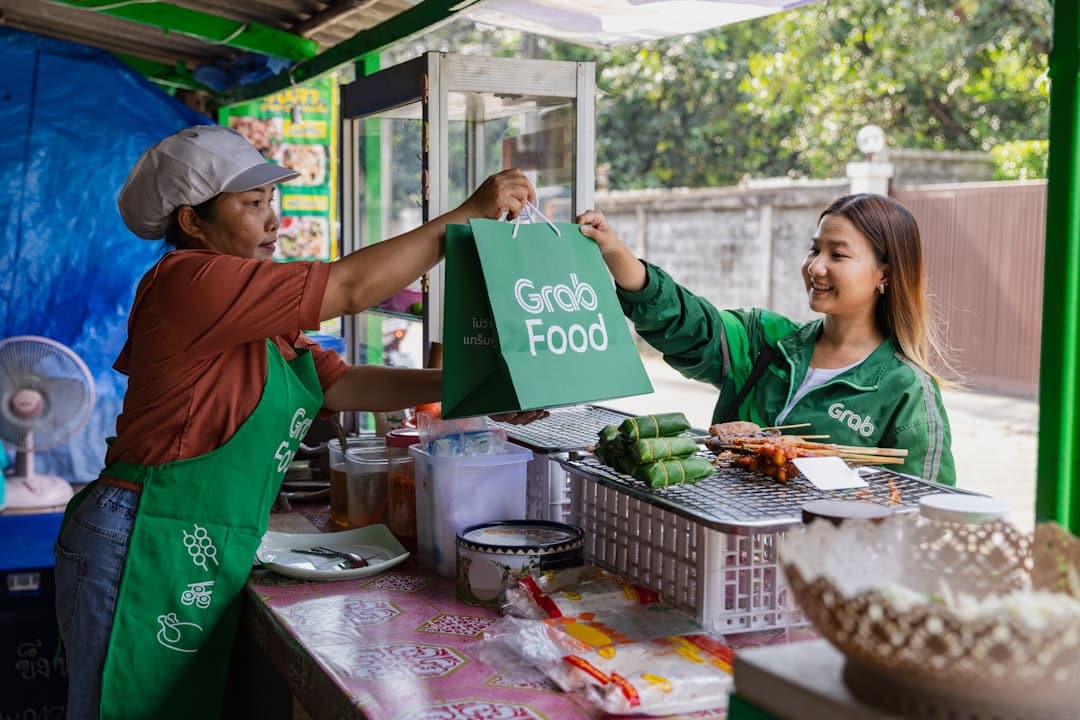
{"x": 527, "y": 213}
{"x": 764, "y": 358}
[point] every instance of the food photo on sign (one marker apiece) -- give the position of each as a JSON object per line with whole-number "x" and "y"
{"x": 308, "y": 160}
{"x": 266, "y": 134}
{"x": 303, "y": 237}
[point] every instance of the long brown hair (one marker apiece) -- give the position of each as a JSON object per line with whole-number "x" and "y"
{"x": 902, "y": 312}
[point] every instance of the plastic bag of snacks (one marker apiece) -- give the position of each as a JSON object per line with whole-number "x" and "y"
{"x": 572, "y": 592}
{"x": 466, "y": 436}
{"x": 681, "y": 674}
{"x": 542, "y": 644}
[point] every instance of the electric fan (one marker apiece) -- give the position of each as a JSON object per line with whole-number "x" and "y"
{"x": 46, "y": 395}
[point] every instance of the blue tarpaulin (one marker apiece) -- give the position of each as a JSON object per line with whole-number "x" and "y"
{"x": 75, "y": 120}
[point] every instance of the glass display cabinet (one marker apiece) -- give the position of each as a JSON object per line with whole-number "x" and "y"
{"x": 419, "y": 137}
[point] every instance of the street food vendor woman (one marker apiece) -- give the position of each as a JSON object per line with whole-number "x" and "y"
{"x": 861, "y": 374}
{"x": 222, "y": 386}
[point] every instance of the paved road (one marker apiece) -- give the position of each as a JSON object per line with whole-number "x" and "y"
{"x": 994, "y": 437}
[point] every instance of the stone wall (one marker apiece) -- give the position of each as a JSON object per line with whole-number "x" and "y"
{"x": 932, "y": 167}
{"x": 744, "y": 246}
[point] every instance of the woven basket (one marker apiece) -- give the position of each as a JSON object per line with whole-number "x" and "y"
{"x": 916, "y": 607}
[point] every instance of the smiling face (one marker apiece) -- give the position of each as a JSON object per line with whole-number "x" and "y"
{"x": 244, "y": 224}
{"x": 842, "y": 272}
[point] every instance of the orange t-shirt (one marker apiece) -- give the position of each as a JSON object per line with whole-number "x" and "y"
{"x": 196, "y": 350}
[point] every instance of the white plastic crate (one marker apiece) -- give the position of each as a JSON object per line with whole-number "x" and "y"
{"x": 547, "y": 489}
{"x": 731, "y": 582}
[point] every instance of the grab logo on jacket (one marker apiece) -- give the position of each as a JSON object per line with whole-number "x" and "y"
{"x": 861, "y": 425}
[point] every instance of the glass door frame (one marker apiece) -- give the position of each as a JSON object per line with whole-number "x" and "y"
{"x": 428, "y": 80}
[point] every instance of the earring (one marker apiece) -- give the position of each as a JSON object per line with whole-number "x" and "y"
{"x": 881, "y": 289}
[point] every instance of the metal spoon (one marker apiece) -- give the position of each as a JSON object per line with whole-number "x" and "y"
{"x": 352, "y": 560}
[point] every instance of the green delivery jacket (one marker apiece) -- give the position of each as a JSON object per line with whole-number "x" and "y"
{"x": 885, "y": 401}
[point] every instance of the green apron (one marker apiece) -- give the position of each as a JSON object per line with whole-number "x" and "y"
{"x": 196, "y": 531}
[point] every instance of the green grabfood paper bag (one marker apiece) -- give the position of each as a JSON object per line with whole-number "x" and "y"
{"x": 531, "y": 322}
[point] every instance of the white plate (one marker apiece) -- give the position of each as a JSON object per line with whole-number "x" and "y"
{"x": 375, "y": 543}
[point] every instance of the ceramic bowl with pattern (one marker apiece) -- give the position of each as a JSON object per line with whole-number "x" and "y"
{"x": 492, "y": 556}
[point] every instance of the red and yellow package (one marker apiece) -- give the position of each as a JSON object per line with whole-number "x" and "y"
{"x": 678, "y": 674}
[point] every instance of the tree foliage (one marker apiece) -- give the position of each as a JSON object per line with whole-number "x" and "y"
{"x": 785, "y": 95}
{"x": 959, "y": 75}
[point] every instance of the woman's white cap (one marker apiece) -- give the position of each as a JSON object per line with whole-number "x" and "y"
{"x": 189, "y": 168}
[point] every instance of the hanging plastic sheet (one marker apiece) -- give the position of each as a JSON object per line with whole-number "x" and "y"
{"x": 605, "y": 23}
{"x": 75, "y": 120}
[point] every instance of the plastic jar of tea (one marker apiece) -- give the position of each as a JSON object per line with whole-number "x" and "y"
{"x": 339, "y": 488}
{"x": 367, "y": 486}
{"x": 402, "y": 480}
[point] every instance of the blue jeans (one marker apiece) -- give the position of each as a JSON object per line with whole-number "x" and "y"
{"x": 90, "y": 556}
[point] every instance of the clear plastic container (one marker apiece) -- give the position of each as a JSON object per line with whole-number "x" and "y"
{"x": 339, "y": 493}
{"x": 367, "y": 487}
{"x": 454, "y": 492}
{"x": 401, "y": 513}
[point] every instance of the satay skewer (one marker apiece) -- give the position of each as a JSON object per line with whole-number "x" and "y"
{"x": 872, "y": 459}
{"x": 786, "y": 427}
{"x": 855, "y": 449}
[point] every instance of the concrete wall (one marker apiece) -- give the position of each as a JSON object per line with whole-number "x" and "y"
{"x": 743, "y": 246}
{"x": 931, "y": 167}
{"x": 737, "y": 247}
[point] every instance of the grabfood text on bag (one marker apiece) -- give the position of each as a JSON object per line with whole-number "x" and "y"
{"x": 552, "y": 300}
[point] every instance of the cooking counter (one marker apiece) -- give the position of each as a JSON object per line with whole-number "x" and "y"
{"x": 397, "y": 645}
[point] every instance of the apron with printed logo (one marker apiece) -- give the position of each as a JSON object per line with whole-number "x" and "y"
{"x": 196, "y": 531}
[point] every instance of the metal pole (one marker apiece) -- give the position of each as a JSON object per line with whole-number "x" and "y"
{"x": 1058, "y": 489}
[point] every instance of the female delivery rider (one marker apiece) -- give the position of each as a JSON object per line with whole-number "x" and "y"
{"x": 861, "y": 374}
{"x": 222, "y": 386}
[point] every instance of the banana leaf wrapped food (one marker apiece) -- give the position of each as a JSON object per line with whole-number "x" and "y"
{"x": 650, "y": 450}
{"x": 626, "y": 465}
{"x": 604, "y": 454}
{"x": 678, "y": 471}
{"x": 608, "y": 434}
{"x": 654, "y": 426}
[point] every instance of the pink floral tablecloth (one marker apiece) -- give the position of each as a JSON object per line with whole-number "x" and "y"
{"x": 399, "y": 646}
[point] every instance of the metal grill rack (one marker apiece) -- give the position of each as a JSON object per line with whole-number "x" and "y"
{"x": 566, "y": 429}
{"x": 735, "y": 500}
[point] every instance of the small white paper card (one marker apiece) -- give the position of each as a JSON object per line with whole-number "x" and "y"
{"x": 829, "y": 473}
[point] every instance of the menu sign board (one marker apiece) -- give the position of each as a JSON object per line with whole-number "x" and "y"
{"x": 297, "y": 128}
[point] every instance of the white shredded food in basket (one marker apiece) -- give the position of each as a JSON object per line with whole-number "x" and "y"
{"x": 1038, "y": 609}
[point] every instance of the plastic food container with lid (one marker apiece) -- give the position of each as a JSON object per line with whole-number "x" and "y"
{"x": 962, "y": 508}
{"x": 454, "y": 492}
{"x": 491, "y": 556}
{"x": 401, "y": 510}
{"x": 339, "y": 483}
{"x": 366, "y": 485}
{"x": 837, "y": 511}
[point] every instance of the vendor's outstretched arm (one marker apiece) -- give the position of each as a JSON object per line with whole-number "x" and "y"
{"x": 368, "y": 276}
{"x": 375, "y": 388}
